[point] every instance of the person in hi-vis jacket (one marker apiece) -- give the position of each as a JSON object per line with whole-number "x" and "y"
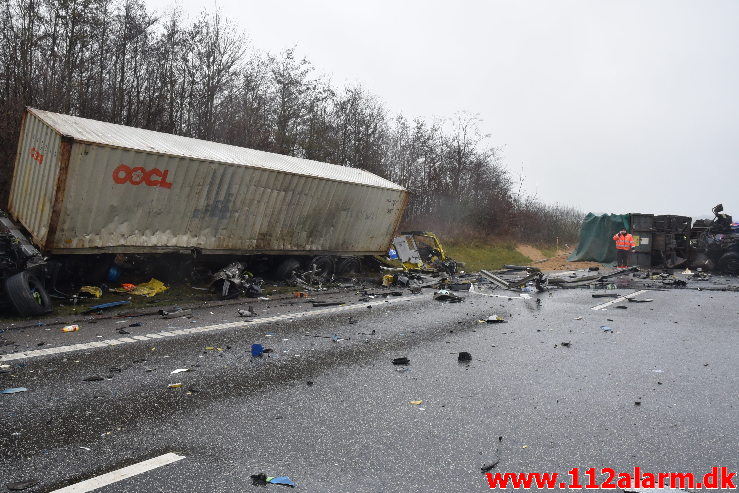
{"x": 624, "y": 245}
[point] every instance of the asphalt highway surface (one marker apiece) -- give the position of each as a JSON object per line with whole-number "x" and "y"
{"x": 548, "y": 390}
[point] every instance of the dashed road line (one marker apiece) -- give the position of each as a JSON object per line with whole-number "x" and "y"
{"x": 619, "y": 299}
{"x": 120, "y": 474}
{"x": 195, "y": 330}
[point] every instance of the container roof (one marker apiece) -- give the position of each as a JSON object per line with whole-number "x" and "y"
{"x": 139, "y": 139}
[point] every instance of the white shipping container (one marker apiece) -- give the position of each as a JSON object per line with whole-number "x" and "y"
{"x": 83, "y": 186}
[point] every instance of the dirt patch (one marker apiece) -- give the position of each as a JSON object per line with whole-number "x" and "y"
{"x": 556, "y": 263}
{"x": 531, "y": 252}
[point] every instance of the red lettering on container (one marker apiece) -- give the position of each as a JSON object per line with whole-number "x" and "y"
{"x": 138, "y": 175}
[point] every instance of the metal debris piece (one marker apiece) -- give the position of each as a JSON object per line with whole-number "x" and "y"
{"x": 489, "y": 467}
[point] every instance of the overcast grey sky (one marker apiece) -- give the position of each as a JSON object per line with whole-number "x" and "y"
{"x": 608, "y": 106}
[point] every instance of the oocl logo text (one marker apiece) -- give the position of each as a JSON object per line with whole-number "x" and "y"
{"x": 138, "y": 175}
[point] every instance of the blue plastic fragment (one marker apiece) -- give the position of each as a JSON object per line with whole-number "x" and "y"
{"x": 282, "y": 480}
{"x": 13, "y": 390}
{"x": 108, "y": 305}
{"x": 257, "y": 350}
{"x": 606, "y": 328}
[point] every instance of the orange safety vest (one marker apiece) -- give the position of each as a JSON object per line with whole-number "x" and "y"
{"x": 625, "y": 242}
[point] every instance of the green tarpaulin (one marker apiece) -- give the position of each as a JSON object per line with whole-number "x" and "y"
{"x": 596, "y": 237}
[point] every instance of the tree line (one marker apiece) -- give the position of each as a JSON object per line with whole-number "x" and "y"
{"x": 116, "y": 61}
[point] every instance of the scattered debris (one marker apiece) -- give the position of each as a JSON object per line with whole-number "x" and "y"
{"x": 136, "y": 324}
{"x": 148, "y": 289}
{"x": 606, "y": 295}
{"x": 123, "y": 331}
{"x": 623, "y": 307}
{"x": 71, "y": 328}
{"x": 565, "y": 344}
{"x": 445, "y": 295}
{"x": 176, "y": 313}
{"x": 234, "y": 279}
{"x": 578, "y": 318}
{"x": 104, "y": 306}
{"x": 13, "y": 390}
{"x": 495, "y": 319}
{"x": 179, "y": 370}
{"x": 262, "y": 479}
{"x": 93, "y": 378}
{"x": 401, "y": 361}
{"x": 174, "y": 385}
{"x": 416, "y": 403}
{"x": 464, "y": 356}
{"x": 300, "y": 294}
{"x": 249, "y": 312}
{"x": 92, "y": 290}
{"x": 606, "y": 328}
{"x": 637, "y": 300}
{"x": 22, "y": 485}
{"x": 489, "y": 467}
{"x": 637, "y": 403}
{"x": 257, "y": 350}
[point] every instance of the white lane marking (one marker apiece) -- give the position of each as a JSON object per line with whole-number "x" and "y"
{"x": 619, "y": 299}
{"x": 208, "y": 328}
{"x": 120, "y": 474}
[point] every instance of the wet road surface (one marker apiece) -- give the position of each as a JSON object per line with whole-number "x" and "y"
{"x": 329, "y": 409}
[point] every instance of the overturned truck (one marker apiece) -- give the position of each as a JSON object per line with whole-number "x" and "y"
{"x": 83, "y": 187}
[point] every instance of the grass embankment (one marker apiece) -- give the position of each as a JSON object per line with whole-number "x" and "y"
{"x": 482, "y": 255}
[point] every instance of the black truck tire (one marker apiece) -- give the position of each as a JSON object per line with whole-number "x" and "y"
{"x": 324, "y": 267}
{"x": 348, "y": 266}
{"x": 286, "y": 270}
{"x": 27, "y": 294}
{"x": 729, "y": 263}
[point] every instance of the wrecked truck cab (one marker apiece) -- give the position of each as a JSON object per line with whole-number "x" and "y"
{"x": 419, "y": 251}
{"x": 22, "y": 272}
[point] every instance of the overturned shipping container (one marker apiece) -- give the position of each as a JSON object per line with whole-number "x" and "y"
{"x": 83, "y": 186}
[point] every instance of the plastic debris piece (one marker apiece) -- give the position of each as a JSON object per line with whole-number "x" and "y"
{"x": 447, "y": 296}
{"x": 103, "y": 306}
{"x": 388, "y": 280}
{"x": 637, "y": 403}
{"x": 578, "y": 318}
{"x": 259, "y": 479}
{"x": 174, "y": 385}
{"x": 71, "y": 328}
{"x": 249, "y": 312}
{"x": 300, "y": 294}
{"x": 149, "y": 289}
{"x": 86, "y": 448}
{"x": 92, "y": 290}
{"x": 636, "y": 300}
{"x": 488, "y": 467}
{"x": 93, "y": 378}
{"x": 464, "y": 356}
{"x": 136, "y": 324}
{"x": 176, "y": 313}
{"x": 22, "y": 485}
{"x": 565, "y": 344}
{"x": 179, "y": 370}
{"x": 495, "y": 319}
{"x": 257, "y": 350}
{"x": 401, "y": 361}
{"x": 284, "y": 480}
{"x": 14, "y": 390}
{"x": 606, "y": 328}
{"x": 416, "y": 403}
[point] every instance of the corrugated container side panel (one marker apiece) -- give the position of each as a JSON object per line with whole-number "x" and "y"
{"x": 119, "y": 198}
{"x": 34, "y": 177}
